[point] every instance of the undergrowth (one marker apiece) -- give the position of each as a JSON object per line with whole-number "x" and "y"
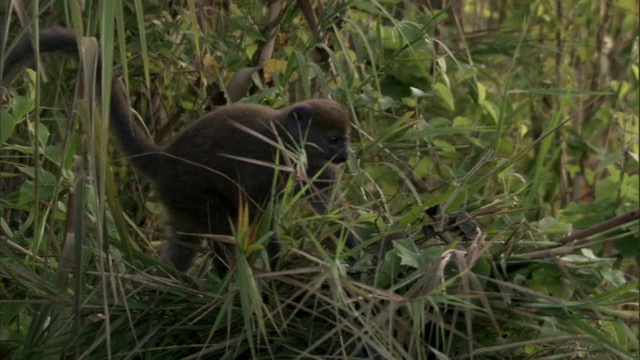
{"x": 493, "y": 183}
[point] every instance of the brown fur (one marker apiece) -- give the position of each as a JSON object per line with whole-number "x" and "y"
{"x": 204, "y": 174}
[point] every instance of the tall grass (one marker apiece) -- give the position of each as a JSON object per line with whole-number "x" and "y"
{"x": 510, "y": 114}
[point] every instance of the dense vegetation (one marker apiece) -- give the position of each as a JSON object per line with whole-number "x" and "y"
{"x": 494, "y": 183}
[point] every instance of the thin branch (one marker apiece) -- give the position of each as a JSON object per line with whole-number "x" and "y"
{"x": 602, "y": 227}
{"x": 567, "y": 247}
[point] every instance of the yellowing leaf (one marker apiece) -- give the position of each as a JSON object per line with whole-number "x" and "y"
{"x": 209, "y": 67}
{"x": 273, "y": 66}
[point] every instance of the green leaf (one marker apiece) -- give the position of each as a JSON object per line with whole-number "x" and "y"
{"x": 389, "y": 269}
{"x": 7, "y": 124}
{"x": 462, "y": 121}
{"x": 43, "y": 135}
{"x": 54, "y": 154}
{"x": 408, "y": 253}
{"x": 21, "y": 106}
{"x": 444, "y": 93}
{"x": 477, "y": 92}
{"x": 549, "y": 225}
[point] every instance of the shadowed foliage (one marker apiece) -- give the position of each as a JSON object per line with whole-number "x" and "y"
{"x": 493, "y": 183}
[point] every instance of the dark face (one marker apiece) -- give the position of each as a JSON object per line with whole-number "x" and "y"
{"x": 327, "y": 145}
{"x": 336, "y": 147}
{"x": 326, "y": 137}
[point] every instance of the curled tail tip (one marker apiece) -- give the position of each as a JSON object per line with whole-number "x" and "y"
{"x": 17, "y": 57}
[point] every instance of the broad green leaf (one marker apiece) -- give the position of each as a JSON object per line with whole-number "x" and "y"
{"x": 408, "y": 253}
{"x": 7, "y": 124}
{"x": 443, "y": 92}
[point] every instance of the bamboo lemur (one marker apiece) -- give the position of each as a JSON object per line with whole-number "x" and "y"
{"x": 219, "y": 162}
